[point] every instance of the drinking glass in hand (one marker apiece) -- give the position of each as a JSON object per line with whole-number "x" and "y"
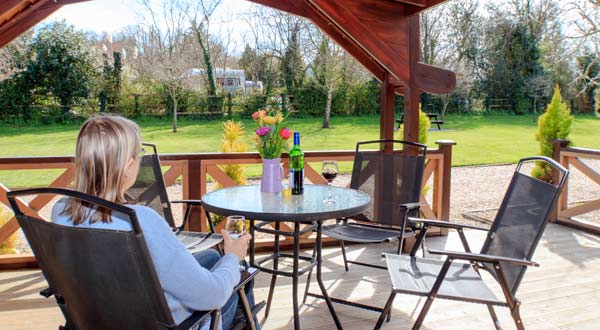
{"x": 236, "y": 226}
{"x": 329, "y": 171}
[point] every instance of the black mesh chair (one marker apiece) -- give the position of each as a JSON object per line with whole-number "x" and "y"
{"x": 150, "y": 190}
{"x": 506, "y": 252}
{"x": 394, "y": 182}
{"x": 105, "y": 278}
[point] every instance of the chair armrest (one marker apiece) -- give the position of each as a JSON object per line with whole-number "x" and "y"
{"x": 197, "y": 317}
{"x": 411, "y": 206}
{"x": 194, "y": 202}
{"x": 444, "y": 224}
{"x": 246, "y": 277}
{"x": 488, "y": 258}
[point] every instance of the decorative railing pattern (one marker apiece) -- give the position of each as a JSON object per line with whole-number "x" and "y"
{"x": 570, "y": 157}
{"x": 195, "y": 170}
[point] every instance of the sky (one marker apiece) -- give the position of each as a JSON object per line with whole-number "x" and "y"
{"x": 113, "y": 15}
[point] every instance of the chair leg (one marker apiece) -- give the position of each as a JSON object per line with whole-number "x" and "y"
{"x": 270, "y": 297}
{"x": 494, "y": 317}
{"x": 386, "y": 311}
{"x": 344, "y": 254}
{"x": 516, "y": 315}
{"x": 314, "y": 255}
{"x": 246, "y": 309}
{"x": 423, "y": 313}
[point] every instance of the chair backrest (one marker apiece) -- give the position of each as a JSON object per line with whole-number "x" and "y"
{"x": 522, "y": 218}
{"x": 106, "y": 277}
{"x": 390, "y": 179}
{"x": 149, "y": 188}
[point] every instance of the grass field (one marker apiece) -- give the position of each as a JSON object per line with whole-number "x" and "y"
{"x": 489, "y": 139}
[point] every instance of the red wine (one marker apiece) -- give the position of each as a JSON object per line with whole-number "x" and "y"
{"x": 329, "y": 176}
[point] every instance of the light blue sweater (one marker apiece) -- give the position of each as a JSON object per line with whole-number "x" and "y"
{"x": 187, "y": 285}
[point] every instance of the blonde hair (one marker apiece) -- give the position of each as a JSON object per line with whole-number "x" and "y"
{"x": 105, "y": 144}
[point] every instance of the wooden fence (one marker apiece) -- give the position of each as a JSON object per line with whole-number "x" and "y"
{"x": 573, "y": 158}
{"x": 196, "y": 170}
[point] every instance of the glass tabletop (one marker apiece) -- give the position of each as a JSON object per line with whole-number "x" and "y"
{"x": 253, "y": 204}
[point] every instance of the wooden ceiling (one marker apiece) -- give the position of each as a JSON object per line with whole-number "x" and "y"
{"x": 378, "y": 34}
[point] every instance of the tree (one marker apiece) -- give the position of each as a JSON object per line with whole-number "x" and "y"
{"x": 538, "y": 87}
{"x": 328, "y": 70}
{"x": 555, "y": 123}
{"x": 165, "y": 52}
{"x": 110, "y": 81}
{"x": 61, "y": 63}
{"x": 511, "y": 57}
{"x": 200, "y": 28}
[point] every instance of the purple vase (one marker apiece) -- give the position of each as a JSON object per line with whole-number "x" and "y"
{"x": 272, "y": 174}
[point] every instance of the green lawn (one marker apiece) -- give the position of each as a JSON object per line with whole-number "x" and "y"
{"x": 487, "y": 139}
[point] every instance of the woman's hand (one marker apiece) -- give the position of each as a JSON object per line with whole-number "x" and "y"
{"x": 239, "y": 246}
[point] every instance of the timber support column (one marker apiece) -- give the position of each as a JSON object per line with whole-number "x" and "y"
{"x": 386, "y": 118}
{"x": 412, "y": 92}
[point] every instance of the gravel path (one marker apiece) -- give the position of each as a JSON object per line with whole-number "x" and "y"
{"x": 476, "y": 190}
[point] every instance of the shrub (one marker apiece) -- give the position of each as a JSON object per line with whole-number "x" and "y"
{"x": 424, "y": 125}
{"x": 8, "y": 246}
{"x": 555, "y": 123}
{"x": 233, "y": 133}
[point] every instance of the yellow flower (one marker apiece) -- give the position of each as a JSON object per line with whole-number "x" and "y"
{"x": 279, "y": 117}
{"x": 269, "y": 120}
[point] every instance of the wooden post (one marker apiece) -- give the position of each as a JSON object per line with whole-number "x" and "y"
{"x": 446, "y": 148}
{"x": 557, "y": 146}
{"x": 412, "y": 92}
{"x": 195, "y": 191}
{"x": 386, "y": 119}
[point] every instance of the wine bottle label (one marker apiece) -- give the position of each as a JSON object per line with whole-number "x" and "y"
{"x": 291, "y": 179}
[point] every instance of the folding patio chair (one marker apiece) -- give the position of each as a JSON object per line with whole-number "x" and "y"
{"x": 105, "y": 279}
{"x": 150, "y": 190}
{"x": 394, "y": 181}
{"x": 506, "y": 252}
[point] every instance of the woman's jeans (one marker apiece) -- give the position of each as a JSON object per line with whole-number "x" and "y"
{"x": 208, "y": 259}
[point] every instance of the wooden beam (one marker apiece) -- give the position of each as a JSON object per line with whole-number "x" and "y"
{"x": 370, "y": 36}
{"x": 7, "y": 5}
{"x": 292, "y": 7}
{"x": 432, "y": 79}
{"x": 386, "y": 117}
{"x": 24, "y": 21}
{"x": 412, "y": 92}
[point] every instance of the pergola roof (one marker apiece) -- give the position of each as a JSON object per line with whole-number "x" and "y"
{"x": 378, "y": 34}
{"x": 17, "y": 16}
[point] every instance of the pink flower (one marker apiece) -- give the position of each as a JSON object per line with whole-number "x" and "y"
{"x": 285, "y": 133}
{"x": 259, "y": 114}
{"x": 263, "y": 131}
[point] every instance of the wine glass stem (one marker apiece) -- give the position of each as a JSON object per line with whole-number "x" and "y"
{"x": 329, "y": 191}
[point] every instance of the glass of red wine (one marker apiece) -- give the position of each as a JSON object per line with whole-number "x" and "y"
{"x": 329, "y": 171}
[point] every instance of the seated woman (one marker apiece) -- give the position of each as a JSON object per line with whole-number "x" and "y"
{"x": 107, "y": 161}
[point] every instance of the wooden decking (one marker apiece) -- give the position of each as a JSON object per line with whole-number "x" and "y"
{"x": 564, "y": 293}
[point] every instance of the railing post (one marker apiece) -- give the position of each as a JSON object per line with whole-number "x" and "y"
{"x": 446, "y": 147}
{"x": 195, "y": 191}
{"x": 557, "y": 146}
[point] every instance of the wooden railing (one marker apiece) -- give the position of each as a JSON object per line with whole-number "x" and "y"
{"x": 195, "y": 171}
{"x": 571, "y": 158}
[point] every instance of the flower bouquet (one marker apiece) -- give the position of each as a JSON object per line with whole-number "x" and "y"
{"x": 271, "y": 140}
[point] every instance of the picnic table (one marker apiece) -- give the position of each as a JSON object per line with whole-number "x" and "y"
{"x": 433, "y": 118}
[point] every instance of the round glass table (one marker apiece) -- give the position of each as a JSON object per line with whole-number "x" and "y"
{"x": 265, "y": 208}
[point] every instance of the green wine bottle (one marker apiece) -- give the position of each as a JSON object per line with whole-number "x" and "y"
{"x": 297, "y": 167}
